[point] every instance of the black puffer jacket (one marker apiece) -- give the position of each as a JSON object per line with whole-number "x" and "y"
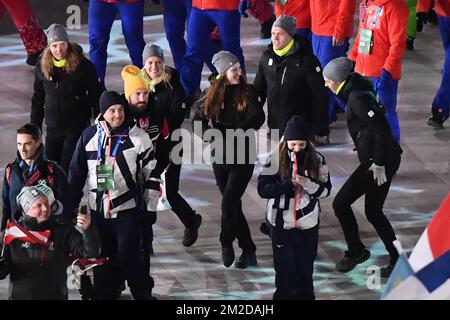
{"x": 293, "y": 85}
{"x": 368, "y": 126}
{"x": 230, "y": 118}
{"x": 67, "y": 100}
{"x": 39, "y": 272}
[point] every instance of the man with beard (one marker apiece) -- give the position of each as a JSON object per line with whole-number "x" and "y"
{"x": 153, "y": 115}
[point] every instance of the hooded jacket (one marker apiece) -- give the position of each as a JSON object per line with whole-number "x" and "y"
{"x": 293, "y": 85}
{"x": 388, "y": 21}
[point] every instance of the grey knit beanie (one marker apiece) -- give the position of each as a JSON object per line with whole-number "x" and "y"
{"x": 28, "y": 196}
{"x": 287, "y": 23}
{"x": 152, "y": 50}
{"x": 224, "y": 60}
{"x": 338, "y": 69}
{"x": 57, "y": 32}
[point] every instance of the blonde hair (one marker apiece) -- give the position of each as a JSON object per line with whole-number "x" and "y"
{"x": 73, "y": 60}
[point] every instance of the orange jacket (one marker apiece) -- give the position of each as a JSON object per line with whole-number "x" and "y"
{"x": 216, "y": 4}
{"x": 298, "y": 9}
{"x": 332, "y": 17}
{"x": 442, "y": 7}
{"x": 389, "y": 37}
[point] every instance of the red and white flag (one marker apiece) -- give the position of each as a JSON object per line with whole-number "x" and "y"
{"x": 435, "y": 241}
{"x": 15, "y": 231}
{"x": 89, "y": 262}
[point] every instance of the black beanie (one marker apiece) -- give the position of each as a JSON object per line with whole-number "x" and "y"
{"x": 297, "y": 129}
{"x": 108, "y": 99}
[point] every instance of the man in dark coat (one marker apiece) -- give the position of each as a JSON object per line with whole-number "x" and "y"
{"x": 290, "y": 77}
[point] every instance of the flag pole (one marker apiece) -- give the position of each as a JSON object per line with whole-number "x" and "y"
{"x": 3, "y": 240}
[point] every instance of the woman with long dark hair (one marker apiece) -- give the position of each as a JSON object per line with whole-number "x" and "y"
{"x": 232, "y": 104}
{"x": 293, "y": 210}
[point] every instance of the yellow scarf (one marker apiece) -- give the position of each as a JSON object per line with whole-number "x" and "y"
{"x": 151, "y": 83}
{"x": 285, "y": 50}
{"x": 59, "y": 63}
{"x": 340, "y": 86}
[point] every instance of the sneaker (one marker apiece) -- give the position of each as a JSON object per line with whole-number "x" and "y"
{"x": 410, "y": 44}
{"x": 386, "y": 271}
{"x": 349, "y": 262}
{"x": 264, "y": 228}
{"x": 437, "y": 119}
{"x": 227, "y": 256}
{"x": 246, "y": 259}
{"x": 266, "y": 28}
{"x": 191, "y": 234}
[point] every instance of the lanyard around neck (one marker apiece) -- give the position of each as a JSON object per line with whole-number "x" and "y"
{"x": 99, "y": 148}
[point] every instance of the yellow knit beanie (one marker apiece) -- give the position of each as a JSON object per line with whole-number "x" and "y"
{"x": 132, "y": 80}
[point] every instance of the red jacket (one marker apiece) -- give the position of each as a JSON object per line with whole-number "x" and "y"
{"x": 389, "y": 38}
{"x": 298, "y": 9}
{"x": 332, "y": 17}
{"x": 442, "y": 7}
{"x": 216, "y": 4}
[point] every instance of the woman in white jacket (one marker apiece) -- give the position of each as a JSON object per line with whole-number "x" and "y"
{"x": 293, "y": 210}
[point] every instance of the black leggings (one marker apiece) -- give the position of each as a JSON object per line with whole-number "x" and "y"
{"x": 178, "y": 204}
{"x": 232, "y": 181}
{"x": 359, "y": 183}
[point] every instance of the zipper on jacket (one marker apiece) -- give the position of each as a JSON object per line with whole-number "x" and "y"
{"x": 284, "y": 73}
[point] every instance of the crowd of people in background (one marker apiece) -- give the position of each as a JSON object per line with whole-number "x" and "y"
{"x": 306, "y": 74}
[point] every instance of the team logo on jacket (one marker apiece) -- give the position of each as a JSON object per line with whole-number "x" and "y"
{"x": 144, "y": 123}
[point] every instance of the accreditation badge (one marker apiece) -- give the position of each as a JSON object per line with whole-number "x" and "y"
{"x": 105, "y": 179}
{"x": 365, "y": 41}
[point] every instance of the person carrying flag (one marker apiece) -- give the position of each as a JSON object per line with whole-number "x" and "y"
{"x": 36, "y": 250}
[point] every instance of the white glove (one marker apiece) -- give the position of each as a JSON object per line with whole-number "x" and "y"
{"x": 379, "y": 174}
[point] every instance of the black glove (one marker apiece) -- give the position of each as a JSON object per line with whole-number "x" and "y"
{"x": 421, "y": 19}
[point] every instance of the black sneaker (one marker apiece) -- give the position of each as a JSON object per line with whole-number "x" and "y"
{"x": 410, "y": 44}
{"x": 264, "y": 228}
{"x": 349, "y": 261}
{"x": 227, "y": 256}
{"x": 246, "y": 259}
{"x": 266, "y": 28}
{"x": 385, "y": 272}
{"x": 191, "y": 234}
{"x": 437, "y": 119}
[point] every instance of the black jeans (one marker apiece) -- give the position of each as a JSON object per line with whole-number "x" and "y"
{"x": 294, "y": 253}
{"x": 232, "y": 181}
{"x": 359, "y": 183}
{"x": 60, "y": 144}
